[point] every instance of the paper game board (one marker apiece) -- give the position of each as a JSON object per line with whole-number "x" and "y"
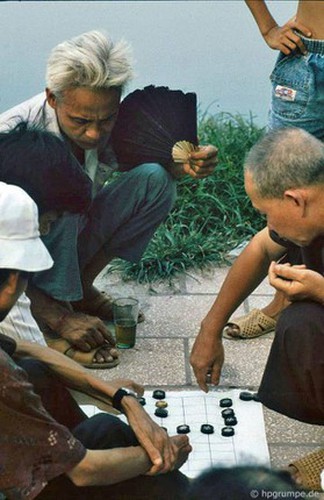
{"x": 195, "y": 408}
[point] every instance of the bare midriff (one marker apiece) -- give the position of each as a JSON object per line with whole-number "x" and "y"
{"x": 311, "y": 14}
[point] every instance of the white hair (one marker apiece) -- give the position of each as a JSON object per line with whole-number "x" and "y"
{"x": 89, "y": 60}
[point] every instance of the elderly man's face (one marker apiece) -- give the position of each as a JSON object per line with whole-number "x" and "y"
{"x": 286, "y": 216}
{"x": 86, "y": 116}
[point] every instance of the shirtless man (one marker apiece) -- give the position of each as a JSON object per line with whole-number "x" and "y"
{"x": 297, "y": 101}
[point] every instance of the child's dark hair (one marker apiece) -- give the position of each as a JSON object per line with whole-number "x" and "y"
{"x": 239, "y": 483}
{"x": 42, "y": 164}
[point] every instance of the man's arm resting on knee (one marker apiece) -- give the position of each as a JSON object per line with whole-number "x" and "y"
{"x": 151, "y": 437}
{"x": 83, "y": 331}
{"x": 44, "y": 308}
{"x": 104, "y": 467}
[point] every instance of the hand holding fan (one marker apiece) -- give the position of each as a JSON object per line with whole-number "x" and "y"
{"x": 156, "y": 124}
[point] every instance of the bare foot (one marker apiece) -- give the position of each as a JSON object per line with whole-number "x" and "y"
{"x": 99, "y": 304}
{"x": 105, "y": 354}
{"x": 183, "y": 449}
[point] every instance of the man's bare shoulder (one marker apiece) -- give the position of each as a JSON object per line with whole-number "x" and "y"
{"x": 311, "y": 14}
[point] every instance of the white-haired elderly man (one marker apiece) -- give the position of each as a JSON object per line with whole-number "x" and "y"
{"x": 85, "y": 79}
{"x": 49, "y": 448}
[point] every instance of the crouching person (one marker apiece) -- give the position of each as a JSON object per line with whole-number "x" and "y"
{"x": 49, "y": 448}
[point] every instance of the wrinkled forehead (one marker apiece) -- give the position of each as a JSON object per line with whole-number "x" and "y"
{"x": 90, "y": 103}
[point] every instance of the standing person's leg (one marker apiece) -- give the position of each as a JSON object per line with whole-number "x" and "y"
{"x": 122, "y": 220}
{"x": 293, "y": 380}
{"x": 297, "y": 100}
{"x": 106, "y": 432}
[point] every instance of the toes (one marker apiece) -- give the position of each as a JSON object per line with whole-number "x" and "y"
{"x": 105, "y": 355}
{"x": 141, "y": 317}
{"x": 232, "y": 330}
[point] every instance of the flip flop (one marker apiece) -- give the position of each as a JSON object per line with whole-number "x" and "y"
{"x": 250, "y": 326}
{"x": 308, "y": 470}
{"x": 83, "y": 358}
{"x": 101, "y": 306}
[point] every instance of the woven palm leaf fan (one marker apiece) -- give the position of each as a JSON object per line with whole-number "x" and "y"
{"x": 155, "y": 124}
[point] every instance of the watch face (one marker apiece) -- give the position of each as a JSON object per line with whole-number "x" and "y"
{"x": 129, "y": 392}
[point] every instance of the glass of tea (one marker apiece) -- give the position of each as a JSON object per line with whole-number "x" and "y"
{"x": 125, "y": 319}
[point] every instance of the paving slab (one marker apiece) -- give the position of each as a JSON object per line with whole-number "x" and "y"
{"x": 173, "y": 315}
{"x": 205, "y": 281}
{"x": 282, "y": 429}
{"x": 244, "y": 362}
{"x": 174, "y": 311}
{"x": 151, "y": 362}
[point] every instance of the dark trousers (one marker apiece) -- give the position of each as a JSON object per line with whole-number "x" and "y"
{"x": 103, "y": 431}
{"x": 293, "y": 380}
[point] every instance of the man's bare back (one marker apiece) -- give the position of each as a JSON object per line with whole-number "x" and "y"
{"x": 311, "y": 14}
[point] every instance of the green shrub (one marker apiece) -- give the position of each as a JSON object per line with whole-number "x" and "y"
{"x": 212, "y": 215}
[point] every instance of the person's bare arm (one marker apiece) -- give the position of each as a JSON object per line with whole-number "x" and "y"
{"x": 83, "y": 331}
{"x": 247, "y": 272}
{"x": 151, "y": 437}
{"x": 104, "y": 467}
{"x": 281, "y": 38}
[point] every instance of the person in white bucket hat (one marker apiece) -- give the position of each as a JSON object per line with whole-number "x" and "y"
{"x": 40, "y": 421}
{"x": 20, "y": 245}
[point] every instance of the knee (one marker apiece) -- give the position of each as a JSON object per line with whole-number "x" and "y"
{"x": 158, "y": 180}
{"x": 302, "y": 318}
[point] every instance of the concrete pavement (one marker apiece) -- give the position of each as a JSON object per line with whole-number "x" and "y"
{"x": 161, "y": 355}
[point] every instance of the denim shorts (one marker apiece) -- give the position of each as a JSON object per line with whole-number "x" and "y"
{"x": 298, "y": 89}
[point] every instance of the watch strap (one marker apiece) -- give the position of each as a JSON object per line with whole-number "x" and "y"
{"x": 118, "y": 396}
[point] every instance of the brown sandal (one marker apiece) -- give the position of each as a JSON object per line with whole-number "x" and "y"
{"x": 308, "y": 470}
{"x": 83, "y": 358}
{"x": 250, "y": 326}
{"x": 101, "y": 306}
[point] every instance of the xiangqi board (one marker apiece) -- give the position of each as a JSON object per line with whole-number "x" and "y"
{"x": 196, "y": 409}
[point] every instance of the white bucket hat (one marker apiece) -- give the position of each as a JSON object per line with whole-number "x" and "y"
{"x": 20, "y": 245}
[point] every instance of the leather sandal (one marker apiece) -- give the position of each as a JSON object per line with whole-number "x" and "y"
{"x": 83, "y": 358}
{"x": 250, "y": 326}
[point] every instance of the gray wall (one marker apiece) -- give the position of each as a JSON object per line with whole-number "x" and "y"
{"x": 211, "y": 47}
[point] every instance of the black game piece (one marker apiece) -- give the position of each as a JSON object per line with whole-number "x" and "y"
{"x": 225, "y": 403}
{"x": 142, "y": 401}
{"x": 246, "y": 396}
{"x": 207, "y": 429}
{"x": 228, "y": 431}
{"x": 183, "y": 429}
{"x": 161, "y": 412}
{"x": 228, "y": 412}
{"x": 256, "y": 397}
{"x": 158, "y": 394}
{"x": 230, "y": 421}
